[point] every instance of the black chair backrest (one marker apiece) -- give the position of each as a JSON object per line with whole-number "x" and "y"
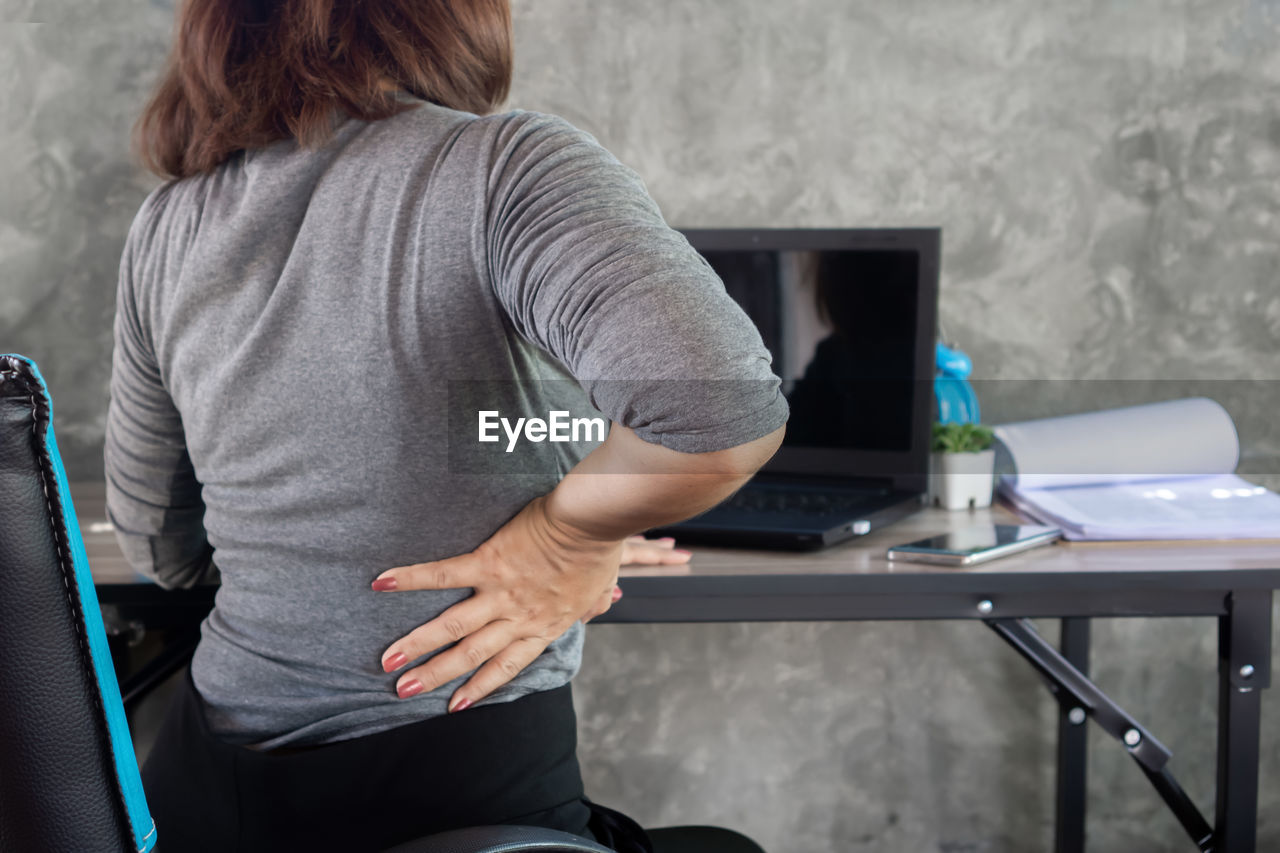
{"x": 68, "y": 776}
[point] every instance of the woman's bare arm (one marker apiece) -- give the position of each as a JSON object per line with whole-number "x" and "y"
{"x": 627, "y": 484}
{"x": 556, "y": 562}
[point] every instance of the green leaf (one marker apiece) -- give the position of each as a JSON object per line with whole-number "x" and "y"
{"x": 961, "y": 438}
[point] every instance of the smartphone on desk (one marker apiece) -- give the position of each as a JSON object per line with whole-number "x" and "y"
{"x": 977, "y": 544}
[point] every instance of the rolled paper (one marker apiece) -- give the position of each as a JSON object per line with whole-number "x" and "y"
{"x": 1176, "y": 438}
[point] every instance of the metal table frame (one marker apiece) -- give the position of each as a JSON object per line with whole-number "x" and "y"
{"x": 1239, "y": 599}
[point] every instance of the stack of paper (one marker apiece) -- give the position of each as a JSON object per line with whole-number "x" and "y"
{"x": 1161, "y": 471}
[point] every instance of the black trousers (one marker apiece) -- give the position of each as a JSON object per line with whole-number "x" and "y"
{"x": 509, "y": 763}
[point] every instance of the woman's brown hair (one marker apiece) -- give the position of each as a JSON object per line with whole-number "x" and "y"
{"x": 245, "y": 73}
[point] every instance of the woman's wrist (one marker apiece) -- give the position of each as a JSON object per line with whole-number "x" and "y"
{"x": 567, "y": 529}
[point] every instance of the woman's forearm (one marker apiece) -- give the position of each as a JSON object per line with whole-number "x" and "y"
{"x": 627, "y": 485}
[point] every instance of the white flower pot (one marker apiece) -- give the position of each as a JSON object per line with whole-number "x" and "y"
{"x": 961, "y": 480}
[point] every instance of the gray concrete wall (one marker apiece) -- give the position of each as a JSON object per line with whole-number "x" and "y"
{"x": 1105, "y": 174}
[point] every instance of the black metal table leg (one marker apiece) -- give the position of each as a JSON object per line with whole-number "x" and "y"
{"x": 1244, "y": 670}
{"x": 1070, "y": 685}
{"x": 1073, "y": 743}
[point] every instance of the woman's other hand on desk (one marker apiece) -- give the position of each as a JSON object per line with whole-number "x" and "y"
{"x": 639, "y": 551}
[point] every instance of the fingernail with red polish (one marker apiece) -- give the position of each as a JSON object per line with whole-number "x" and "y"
{"x": 394, "y": 662}
{"x": 460, "y": 706}
{"x": 667, "y": 539}
{"x": 384, "y": 584}
{"x": 409, "y": 688}
{"x": 617, "y": 593}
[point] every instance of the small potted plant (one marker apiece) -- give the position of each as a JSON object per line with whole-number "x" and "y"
{"x": 961, "y": 466}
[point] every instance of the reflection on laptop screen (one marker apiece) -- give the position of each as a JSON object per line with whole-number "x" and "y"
{"x": 841, "y": 327}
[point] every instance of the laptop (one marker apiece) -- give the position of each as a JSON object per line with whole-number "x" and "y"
{"x": 849, "y": 317}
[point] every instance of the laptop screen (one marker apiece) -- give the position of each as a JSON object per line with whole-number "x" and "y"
{"x": 848, "y": 317}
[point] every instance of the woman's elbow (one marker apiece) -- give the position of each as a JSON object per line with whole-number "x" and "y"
{"x": 744, "y": 460}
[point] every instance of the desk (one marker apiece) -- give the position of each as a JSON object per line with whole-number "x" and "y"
{"x": 1072, "y": 582}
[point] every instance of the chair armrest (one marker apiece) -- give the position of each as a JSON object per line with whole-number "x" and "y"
{"x": 501, "y": 839}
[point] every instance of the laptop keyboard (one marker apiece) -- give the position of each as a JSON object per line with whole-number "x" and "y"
{"x": 764, "y": 499}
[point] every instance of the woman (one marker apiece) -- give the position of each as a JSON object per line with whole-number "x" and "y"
{"x": 354, "y": 259}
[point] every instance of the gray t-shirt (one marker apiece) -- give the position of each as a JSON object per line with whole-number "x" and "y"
{"x": 304, "y": 340}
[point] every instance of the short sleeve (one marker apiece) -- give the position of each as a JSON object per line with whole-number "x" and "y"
{"x": 583, "y": 262}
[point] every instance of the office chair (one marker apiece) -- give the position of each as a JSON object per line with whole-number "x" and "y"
{"x": 69, "y": 779}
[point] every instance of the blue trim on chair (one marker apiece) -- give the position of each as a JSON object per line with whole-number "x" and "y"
{"x": 126, "y": 762}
